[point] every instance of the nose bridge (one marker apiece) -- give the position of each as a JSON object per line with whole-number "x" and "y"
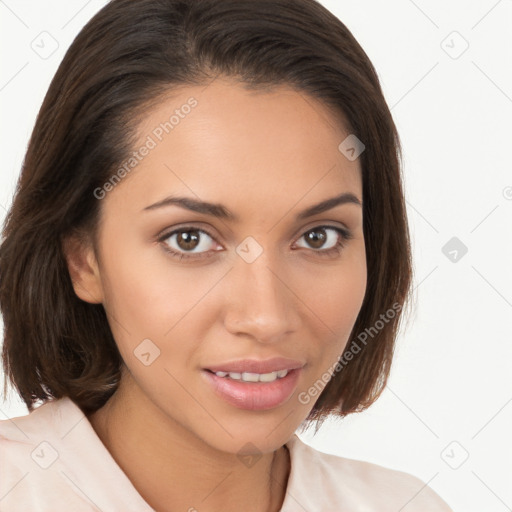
{"x": 262, "y": 305}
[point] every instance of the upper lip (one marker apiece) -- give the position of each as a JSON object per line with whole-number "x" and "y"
{"x": 257, "y": 366}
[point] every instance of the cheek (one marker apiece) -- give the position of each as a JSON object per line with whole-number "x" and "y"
{"x": 147, "y": 295}
{"x": 151, "y": 307}
{"x": 335, "y": 295}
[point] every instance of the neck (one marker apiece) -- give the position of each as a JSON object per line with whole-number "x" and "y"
{"x": 172, "y": 469}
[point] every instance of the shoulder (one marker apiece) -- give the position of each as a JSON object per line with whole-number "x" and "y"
{"x": 31, "y": 459}
{"x": 356, "y": 485}
{"x": 20, "y": 436}
{"x": 48, "y": 421}
{"x": 52, "y": 459}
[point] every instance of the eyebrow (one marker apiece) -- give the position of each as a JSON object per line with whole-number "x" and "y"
{"x": 221, "y": 212}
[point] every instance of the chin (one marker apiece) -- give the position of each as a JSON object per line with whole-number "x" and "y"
{"x": 251, "y": 432}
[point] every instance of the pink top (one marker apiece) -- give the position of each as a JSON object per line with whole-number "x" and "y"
{"x": 53, "y": 460}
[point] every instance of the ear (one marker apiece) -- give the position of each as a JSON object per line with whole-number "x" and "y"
{"x": 83, "y": 268}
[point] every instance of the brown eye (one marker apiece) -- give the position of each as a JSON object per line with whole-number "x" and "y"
{"x": 322, "y": 237}
{"x": 188, "y": 240}
{"x": 326, "y": 241}
{"x": 316, "y": 238}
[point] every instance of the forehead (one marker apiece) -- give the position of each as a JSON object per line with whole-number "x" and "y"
{"x": 224, "y": 143}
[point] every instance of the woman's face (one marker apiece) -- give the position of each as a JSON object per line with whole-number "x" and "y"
{"x": 189, "y": 286}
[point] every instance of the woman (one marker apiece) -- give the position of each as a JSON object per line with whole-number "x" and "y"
{"x": 210, "y": 216}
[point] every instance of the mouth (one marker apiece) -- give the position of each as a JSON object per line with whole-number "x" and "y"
{"x": 253, "y": 391}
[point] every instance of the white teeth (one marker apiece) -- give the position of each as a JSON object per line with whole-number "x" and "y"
{"x": 267, "y": 377}
{"x": 250, "y": 377}
{"x": 254, "y": 377}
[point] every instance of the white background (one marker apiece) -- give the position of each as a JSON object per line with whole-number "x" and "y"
{"x": 450, "y": 392}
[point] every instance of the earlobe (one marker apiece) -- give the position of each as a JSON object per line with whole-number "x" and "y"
{"x": 83, "y": 269}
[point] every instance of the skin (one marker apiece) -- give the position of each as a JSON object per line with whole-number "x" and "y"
{"x": 265, "y": 156}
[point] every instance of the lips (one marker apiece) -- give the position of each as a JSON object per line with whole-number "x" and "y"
{"x": 261, "y": 392}
{"x": 253, "y": 396}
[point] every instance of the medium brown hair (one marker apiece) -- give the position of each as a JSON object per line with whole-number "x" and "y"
{"x": 131, "y": 53}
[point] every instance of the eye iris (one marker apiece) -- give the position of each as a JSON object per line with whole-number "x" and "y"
{"x": 316, "y": 240}
{"x": 188, "y": 240}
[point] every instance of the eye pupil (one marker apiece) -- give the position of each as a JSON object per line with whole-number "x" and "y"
{"x": 316, "y": 240}
{"x": 187, "y": 239}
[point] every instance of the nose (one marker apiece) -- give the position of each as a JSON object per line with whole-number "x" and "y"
{"x": 262, "y": 304}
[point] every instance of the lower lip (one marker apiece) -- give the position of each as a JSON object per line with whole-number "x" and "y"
{"x": 254, "y": 396}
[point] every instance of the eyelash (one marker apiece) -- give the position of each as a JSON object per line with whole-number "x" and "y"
{"x": 344, "y": 236}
